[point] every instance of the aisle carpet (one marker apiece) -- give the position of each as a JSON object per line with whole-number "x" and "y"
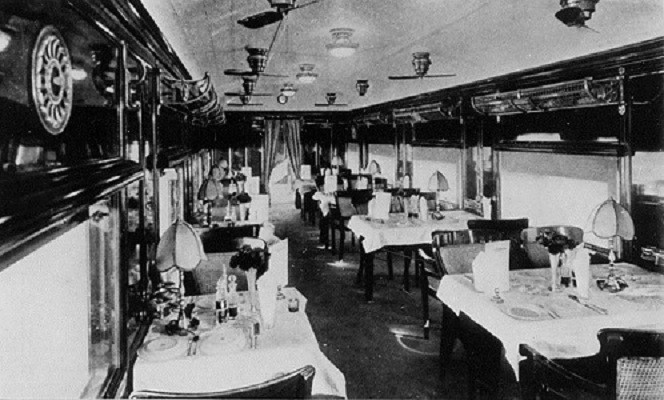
{"x": 366, "y": 341}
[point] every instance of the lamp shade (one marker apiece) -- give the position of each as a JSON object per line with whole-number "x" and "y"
{"x": 438, "y": 182}
{"x": 374, "y": 168}
{"x": 180, "y": 247}
{"x": 611, "y": 219}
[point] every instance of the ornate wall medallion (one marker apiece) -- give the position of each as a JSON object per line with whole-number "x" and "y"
{"x": 52, "y": 90}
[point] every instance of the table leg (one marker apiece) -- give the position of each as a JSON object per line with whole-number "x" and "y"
{"x": 360, "y": 271}
{"x": 448, "y": 335}
{"x": 368, "y": 276}
{"x": 407, "y": 254}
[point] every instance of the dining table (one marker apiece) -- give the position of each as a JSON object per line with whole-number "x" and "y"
{"x": 558, "y": 324}
{"x": 398, "y": 232}
{"x": 217, "y": 356}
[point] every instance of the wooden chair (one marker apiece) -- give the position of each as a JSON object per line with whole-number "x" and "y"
{"x": 509, "y": 229}
{"x": 348, "y": 203}
{"x": 294, "y": 385}
{"x": 629, "y": 365}
{"x": 453, "y": 253}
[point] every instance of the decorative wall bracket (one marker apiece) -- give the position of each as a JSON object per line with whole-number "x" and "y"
{"x": 195, "y": 98}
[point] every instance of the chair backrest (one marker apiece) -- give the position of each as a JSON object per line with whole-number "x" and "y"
{"x": 254, "y": 243}
{"x": 635, "y": 361}
{"x": 506, "y": 229}
{"x": 345, "y": 207}
{"x": 454, "y": 251}
{"x": 221, "y": 239}
{"x": 504, "y": 225}
{"x": 361, "y": 199}
{"x": 294, "y": 385}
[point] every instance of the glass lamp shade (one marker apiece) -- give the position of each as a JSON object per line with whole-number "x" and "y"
{"x": 306, "y": 74}
{"x": 337, "y": 161}
{"x": 438, "y": 182}
{"x": 374, "y": 168}
{"x": 180, "y": 247}
{"x": 341, "y": 45}
{"x": 610, "y": 220}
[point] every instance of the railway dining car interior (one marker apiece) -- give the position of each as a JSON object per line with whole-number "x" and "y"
{"x": 332, "y": 199}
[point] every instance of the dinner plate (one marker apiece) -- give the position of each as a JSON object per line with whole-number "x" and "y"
{"x": 223, "y": 340}
{"x": 525, "y": 312}
{"x": 163, "y": 348}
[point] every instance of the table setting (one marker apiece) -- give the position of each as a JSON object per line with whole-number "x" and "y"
{"x": 560, "y": 323}
{"x": 241, "y": 350}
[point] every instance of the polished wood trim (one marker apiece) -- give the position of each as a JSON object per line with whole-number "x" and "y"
{"x": 597, "y": 148}
{"x": 33, "y": 204}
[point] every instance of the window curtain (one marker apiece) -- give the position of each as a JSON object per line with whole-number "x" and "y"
{"x": 278, "y": 132}
{"x": 291, "y": 137}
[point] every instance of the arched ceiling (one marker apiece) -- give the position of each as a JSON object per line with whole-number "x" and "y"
{"x": 474, "y": 39}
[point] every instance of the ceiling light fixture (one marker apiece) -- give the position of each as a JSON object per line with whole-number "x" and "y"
{"x": 288, "y": 90}
{"x": 306, "y": 74}
{"x": 576, "y": 12}
{"x": 362, "y": 86}
{"x": 341, "y": 45}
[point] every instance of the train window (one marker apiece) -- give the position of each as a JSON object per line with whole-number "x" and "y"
{"x": 104, "y": 329}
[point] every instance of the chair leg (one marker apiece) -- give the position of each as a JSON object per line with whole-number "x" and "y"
{"x": 333, "y": 235}
{"x": 424, "y": 291}
{"x": 448, "y": 335}
{"x": 342, "y": 240}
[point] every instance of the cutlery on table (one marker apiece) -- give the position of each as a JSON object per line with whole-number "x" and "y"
{"x": 593, "y": 307}
{"x": 552, "y": 314}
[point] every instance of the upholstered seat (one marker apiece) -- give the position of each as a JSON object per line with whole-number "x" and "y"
{"x": 629, "y": 365}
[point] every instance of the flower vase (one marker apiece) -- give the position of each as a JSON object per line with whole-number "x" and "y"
{"x": 251, "y": 288}
{"x": 554, "y": 260}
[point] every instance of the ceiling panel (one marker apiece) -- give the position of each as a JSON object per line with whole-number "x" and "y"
{"x": 475, "y": 39}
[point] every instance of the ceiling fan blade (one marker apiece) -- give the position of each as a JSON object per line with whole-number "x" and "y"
{"x": 238, "y": 72}
{"x": 304, "y": 5}
{"x": 400, "y": 78}
{"x": 243, "y": 105}
{"x": 330, "y": 105}
{"x": 261, "y": 19}
{"x": 233, "y": 94}
{"x": 274, "y": 75}
{"x": 264, "y": 94}
{"x": 439, "y": 76}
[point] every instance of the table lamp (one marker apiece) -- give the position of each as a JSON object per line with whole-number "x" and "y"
{"x": 438, "y": 183}
{"x": 608, "y": 221}
{"x": 179, "y": 247}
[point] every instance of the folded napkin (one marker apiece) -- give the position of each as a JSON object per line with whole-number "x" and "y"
{"x": 491, "y": 267}
{"x": 424, "y": 209}
{"x": 381, "y": 208}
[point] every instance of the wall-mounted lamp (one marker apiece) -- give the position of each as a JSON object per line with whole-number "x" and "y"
{"x": 341, "y": 45}
{"x": 78, "y": 74}
{"x": 362, "y": 86}
{"x": 5, "y": 39}
{"x": 306, "y": 74}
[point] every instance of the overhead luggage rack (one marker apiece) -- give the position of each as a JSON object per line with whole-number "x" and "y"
{"x": 566, "y": 95}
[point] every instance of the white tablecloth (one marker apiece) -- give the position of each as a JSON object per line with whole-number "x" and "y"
{"x": 289, "y": 345}
{"x": 399, "y": 232}
{"x": 563, "y": 328}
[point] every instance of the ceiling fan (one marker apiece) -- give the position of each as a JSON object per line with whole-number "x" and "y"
{"x": 257, "y": 60}
{"x": 421, "y": 63}
{"x": 245, "y": 100}
{"x": 281, "y": 8}
{"x": 248, "y": 87}
{"x": 331, "y": 99}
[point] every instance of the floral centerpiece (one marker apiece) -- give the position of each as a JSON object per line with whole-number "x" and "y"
{"x": 559, "y": 247}
{"x": 251, "y": 260}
